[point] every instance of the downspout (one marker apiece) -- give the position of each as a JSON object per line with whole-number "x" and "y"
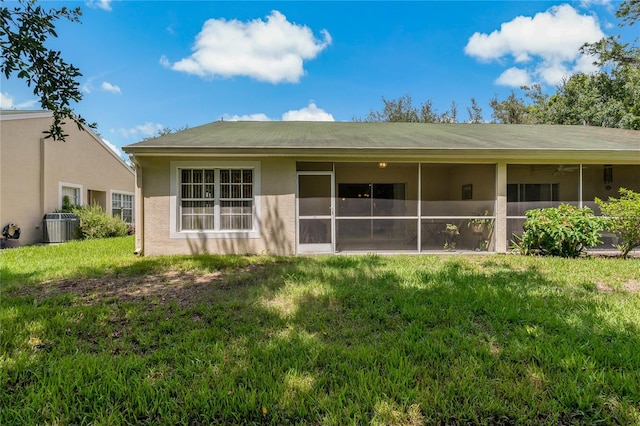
{"x": 43, "y": 175}
{"x": 139, "y": 206}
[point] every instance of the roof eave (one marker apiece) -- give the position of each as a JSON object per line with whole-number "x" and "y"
{"x": 338, "y": 153}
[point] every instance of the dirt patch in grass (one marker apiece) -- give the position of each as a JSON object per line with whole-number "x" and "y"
{"x": 185, "y": 288}
{"x": 631, "y": 286}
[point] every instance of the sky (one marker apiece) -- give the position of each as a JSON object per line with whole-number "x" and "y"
{"x": 152, "y": 65}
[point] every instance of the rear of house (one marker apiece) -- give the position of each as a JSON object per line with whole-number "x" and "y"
{"x": 37, "y": 173}
{"x": 296, "y": 187}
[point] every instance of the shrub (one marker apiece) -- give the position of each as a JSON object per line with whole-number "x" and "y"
{"x": 561, "y": 231}
{"x": 67, "y": 207}
{"x": 624, "y": 215}
{"x": 95, "y": 223}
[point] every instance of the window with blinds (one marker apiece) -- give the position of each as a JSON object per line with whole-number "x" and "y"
{"x": 216, "y": 199}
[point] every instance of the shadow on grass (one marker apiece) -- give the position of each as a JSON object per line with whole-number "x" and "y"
{"x": 353, "y": 339}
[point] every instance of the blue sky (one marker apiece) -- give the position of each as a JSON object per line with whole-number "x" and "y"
{"x": 149, "y": 65}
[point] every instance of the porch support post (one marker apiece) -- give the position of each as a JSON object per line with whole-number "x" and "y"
{"x": 138, "y": 209}
{"x": 501, "y": 207}
{"x": 419, "y": 206}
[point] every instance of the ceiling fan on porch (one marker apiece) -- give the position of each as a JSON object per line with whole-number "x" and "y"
{"x": 562, "y": 169}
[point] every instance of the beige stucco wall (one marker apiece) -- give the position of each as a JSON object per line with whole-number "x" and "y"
{"x": 33, "y": 168}
{"x": 277, "y": 214}
{"x": 20, "y": 195}
{"x": 441, "y": 183}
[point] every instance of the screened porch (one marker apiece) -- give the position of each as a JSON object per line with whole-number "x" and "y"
{"x": 420, "y": 207}
{"x": 395, "y": 207}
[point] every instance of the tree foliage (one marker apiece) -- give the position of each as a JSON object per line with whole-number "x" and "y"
{"x": 24, "y": 31}
{"x": 624, "y": 215}
{"x": 629, "y": 11}
{"x": 475, "y": 112}
{"x": 403, "y": 110}
{"x": 512, "y": 110}
{"x": 165, "y": 131}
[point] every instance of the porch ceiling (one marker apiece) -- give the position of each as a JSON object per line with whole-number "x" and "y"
{"x": 342, "y": 136}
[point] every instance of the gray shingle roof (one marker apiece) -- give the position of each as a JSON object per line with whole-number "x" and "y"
{"x": 280, "y": 135}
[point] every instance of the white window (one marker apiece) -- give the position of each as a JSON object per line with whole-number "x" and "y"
{"x": 122, "y": 206}
{"x": 71, "y": 191}
{"x": 221, "y": 200}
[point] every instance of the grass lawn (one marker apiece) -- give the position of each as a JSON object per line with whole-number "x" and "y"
{"x": 91, "y": 334}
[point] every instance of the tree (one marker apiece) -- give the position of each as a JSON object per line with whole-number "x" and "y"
{"x": 166, "y": 131}
{"x": 450, "y": 116}
{"x": 24, "y": 30}
{"x": 610, "y": 97}
{"x": 511, "y": 110}
{"x": 395, "y": 110}
{"x": 475, "y": 112}
{"x": 403, "y": 110}
{"x": 629, "y": 11}
{"x": 427, "y": 113}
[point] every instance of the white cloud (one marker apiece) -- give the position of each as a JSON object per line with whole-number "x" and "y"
{"x": 164, "y": 61}
{"x": 100, "y": 4}
{"x": 549, "y": 42}
{"x": 246, "y": 117}
{"x": 143, "y": 130}
{"x": 514, "y": 77}
{"x": 114, "y": 148}
{"x": 309, "y": 113}
{"x": 585, "y": 64}
{"x": 273, "y": 50}
{"x": 112, "y": 88}
{"x": 586, "y": 4}
{"x": 6, "y": 102}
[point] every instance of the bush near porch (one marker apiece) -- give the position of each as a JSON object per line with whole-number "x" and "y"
{"x": 93, "y": 334}
{"x": 565, "y": 231}
{"x": 624, "y": 214}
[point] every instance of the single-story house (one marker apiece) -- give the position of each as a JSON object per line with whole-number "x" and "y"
{"x": 331, "y": 187}
{"x": 37, "y": 173}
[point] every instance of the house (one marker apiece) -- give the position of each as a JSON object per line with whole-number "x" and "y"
{"x": 330, "y": 187}
{"x": 36, "y": 173}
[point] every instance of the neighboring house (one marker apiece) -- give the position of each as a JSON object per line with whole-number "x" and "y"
{"x": 303, "y": 187}
{"x": 36, "y": 173}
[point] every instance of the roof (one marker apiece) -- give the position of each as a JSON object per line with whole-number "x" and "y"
{"x": 14, "y": 114}
{"x": 336, "y": 136}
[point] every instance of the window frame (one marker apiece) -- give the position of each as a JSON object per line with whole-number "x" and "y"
{"x": 175, "y": 224}
{"x": 76, "y": 186}
{"x": 133, "y": 204}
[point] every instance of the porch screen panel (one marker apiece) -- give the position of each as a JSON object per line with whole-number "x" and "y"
{"x": 376, "y": 234}
{"x": 538, "y": 186}
{"x": 315, "y": 231}
{"x": 376, "y": 206}
{"x": 314, "y": 195}
{"x": 458, "y": 206}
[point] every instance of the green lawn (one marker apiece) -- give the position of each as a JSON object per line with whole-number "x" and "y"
{"x": 91, "y": 334}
